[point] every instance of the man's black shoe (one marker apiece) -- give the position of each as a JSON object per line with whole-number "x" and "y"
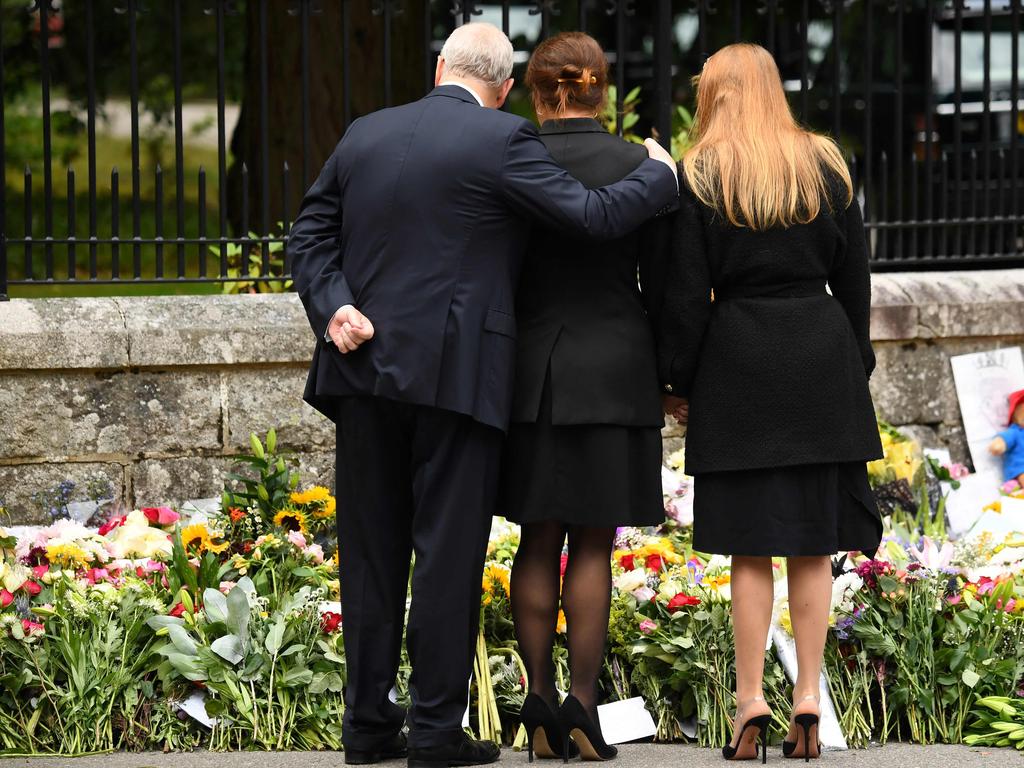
{"x": 465, "y": 751}
{"x": 393, "y": 749}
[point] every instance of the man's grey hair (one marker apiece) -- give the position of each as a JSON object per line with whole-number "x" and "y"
{"x": 479, "y": 51}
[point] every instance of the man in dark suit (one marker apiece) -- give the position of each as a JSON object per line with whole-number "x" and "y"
{"x": 406, "y": 254}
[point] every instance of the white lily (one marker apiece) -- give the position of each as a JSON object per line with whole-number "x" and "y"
{"x": 931, "y": 556}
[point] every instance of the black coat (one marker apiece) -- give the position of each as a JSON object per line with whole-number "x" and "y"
{"x": 776, "y": 369}
{"x": 579, "y": 307}
{"x": 420, "y": 219}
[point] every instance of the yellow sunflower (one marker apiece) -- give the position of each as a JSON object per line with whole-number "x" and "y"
{"x": 291, "y": 520}
{"x": 311, "y": 495}
{"x": 67, "y": 556}
{"x": 216, "y": 543}
{"x": 195, "y": 536}
{"x": 327, "y": 509}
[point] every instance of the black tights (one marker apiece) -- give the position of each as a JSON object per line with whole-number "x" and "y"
{"x": 586, "y": 600}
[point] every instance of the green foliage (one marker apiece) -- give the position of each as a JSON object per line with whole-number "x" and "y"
{"x": 269, "y": 489}
{"x": 249, "y": 257}
{"x": 999, "y": 722}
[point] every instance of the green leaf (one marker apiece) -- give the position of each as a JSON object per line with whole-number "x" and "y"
{"x": 970, "y": 678}
{"x": 182, "y": 639}
{"x": 215, "y": 604}
{"x": 275, "y": 637}
{"x": 228, "y": 648}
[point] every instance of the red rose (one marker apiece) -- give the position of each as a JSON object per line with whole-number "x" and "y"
{"x": 40, "y": 570}
{"x": 177, "y": 610}
{"x": 32, "y": 588}
{"x": 161, "y": 515}
{"x": 330, "y": 621}
{"x": 627, "y": 562}
{"x": 6, "y": 598}
{"x": 654, "y": 562}
{"x": 114, "y": 522}
{"x": 681, "y": 601}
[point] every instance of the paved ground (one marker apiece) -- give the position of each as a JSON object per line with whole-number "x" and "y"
{"x": 630, "y": 756}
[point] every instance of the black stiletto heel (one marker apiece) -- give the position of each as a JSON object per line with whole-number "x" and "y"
{"x": 544, "y": 737}
{"x": 761, "y": 723}
{"x": 585, "y": 732}
{"x": 806, "y": 721}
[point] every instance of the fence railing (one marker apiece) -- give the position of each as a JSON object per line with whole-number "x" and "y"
{"x": 924, "y": 95}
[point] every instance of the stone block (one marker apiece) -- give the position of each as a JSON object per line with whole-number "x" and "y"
{"x": 65, "y": 414}
{"x": 205, "y": 330}
{"x": 265, "y": 397}
{"x": 22, "y": 484}
{"x": 42, "y": 334}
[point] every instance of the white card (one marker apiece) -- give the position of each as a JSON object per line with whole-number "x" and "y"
{"x": 195, "y": 707}
{"x": 626, "y": 720}
{"x": 984, "y": 381}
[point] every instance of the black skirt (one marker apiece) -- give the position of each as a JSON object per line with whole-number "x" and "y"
{"x": 600, "y": 475}
{"x": 814, "y": 509}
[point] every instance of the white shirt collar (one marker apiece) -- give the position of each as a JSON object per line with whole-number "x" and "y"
{"x": 465, "y": 87}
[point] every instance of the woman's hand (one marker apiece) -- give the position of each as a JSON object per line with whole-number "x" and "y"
{"x": 677, "y": 407}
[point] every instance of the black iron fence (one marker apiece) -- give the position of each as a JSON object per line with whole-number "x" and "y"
{"x": 924, "y": 95}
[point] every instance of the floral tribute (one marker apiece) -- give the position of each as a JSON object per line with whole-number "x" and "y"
{"x": 107, "y": 632}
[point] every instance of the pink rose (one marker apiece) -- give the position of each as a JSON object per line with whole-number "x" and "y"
{"x": 647, "y": 626}
{"x": 6, "y": 598}
{"x": 316, "y": 553}
{"x": 32, "y": 627}
{"x": 161, "y": 515}
{"x": 297, "y": 539}
{"x": 40, "y": 570}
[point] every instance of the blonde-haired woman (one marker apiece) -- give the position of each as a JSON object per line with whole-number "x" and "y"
{"x": 764, "y": 330}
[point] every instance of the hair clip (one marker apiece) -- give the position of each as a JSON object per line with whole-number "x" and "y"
{"x": 593, "y": 80}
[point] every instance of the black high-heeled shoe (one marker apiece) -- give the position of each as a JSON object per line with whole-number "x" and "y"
{"x": 806, "y": 721}
{"x": 544, "y": 736}
{"x": 577, "y": 726}
{"x": 760, "y": 724}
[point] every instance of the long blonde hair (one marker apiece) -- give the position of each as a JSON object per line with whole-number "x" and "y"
{"x": 751, "y": 160}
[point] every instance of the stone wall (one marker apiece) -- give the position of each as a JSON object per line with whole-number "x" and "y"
{"x": 156, "y": 395}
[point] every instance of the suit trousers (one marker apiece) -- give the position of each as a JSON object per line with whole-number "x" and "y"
{"x": 417, "y": 481}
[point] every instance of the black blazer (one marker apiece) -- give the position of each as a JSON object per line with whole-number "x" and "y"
{"x": 580, "y": 310}
{"x": 420, "y": 219}
{"x": 775, "y": 367}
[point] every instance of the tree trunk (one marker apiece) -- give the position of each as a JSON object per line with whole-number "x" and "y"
{"x": 327, "y": 60}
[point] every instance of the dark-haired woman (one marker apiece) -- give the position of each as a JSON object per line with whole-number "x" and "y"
{"x": 584, "y": 449}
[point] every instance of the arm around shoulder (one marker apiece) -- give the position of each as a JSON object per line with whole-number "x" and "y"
{"x": 536, "y": 186}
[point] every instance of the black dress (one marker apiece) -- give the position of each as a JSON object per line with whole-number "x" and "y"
{"x": 584, "y": 446}
{"x": 776, "y": 367}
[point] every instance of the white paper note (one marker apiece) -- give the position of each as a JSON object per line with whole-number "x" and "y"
{"x": 626, "y": 720}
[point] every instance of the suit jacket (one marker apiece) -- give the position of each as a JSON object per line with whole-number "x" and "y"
{"x": 420, "y": 219}
{"x": 580, "y": 310}
{"x": 776, "y": 368}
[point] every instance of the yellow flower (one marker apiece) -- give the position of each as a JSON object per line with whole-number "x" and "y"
{"x": 995, "y": 506}
{"x": 216, "y": 543}
{"x": 291, "y": 520}
{"x": 317, "y": 497}
{"x": 560, "y": 624}
{"x": 315, "y": 494}
{"x": 327, "y": 510}
{"x": 68, "y": 555}
{"x": 496, "y": 574}
{"x": 785, "y": 621}
{"x": 196, "y": 536}
{"x": 240, "y": 564}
